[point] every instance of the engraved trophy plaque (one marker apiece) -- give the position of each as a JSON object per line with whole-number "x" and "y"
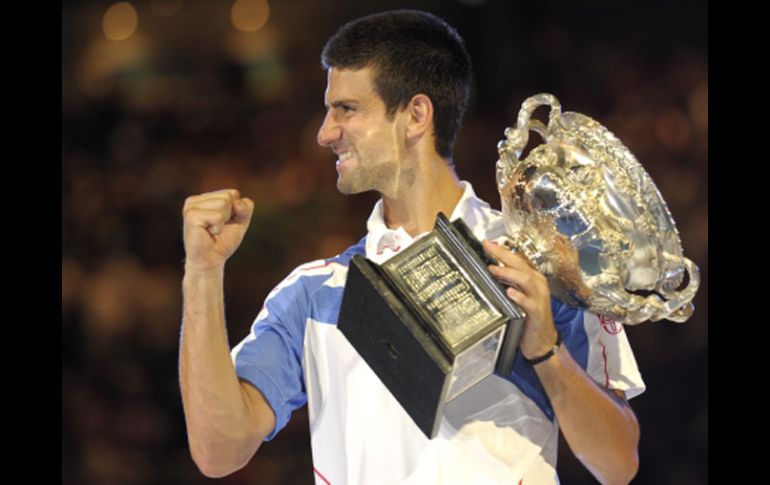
{"x": 431, "y": 321}
{"x": 588, "y": 216}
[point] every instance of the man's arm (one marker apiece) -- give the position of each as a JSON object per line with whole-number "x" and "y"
{"x": 227, "y": 419}
{"x": 598, "y": 425}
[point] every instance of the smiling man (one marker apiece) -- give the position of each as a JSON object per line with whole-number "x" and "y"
{"x": 396, "y": 92}
{"x": 357, "y": 130}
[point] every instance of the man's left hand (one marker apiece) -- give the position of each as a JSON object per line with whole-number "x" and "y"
{"x": 529, "y": 288}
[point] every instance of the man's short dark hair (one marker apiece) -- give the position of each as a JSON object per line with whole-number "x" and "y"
{"x": 411, "y": 52}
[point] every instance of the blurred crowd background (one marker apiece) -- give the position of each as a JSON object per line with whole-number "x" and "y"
{"x": 162, "y": 99}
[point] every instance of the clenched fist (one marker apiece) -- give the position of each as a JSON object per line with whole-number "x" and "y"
{"x": 214, "y": 226}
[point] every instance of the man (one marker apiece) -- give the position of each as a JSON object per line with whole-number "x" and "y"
{"x": 397, "y": 88}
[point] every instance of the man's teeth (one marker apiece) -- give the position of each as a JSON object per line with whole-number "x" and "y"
{"x": 344, "y": 156}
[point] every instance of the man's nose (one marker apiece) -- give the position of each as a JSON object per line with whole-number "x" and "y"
{"x": 329, "y": 131}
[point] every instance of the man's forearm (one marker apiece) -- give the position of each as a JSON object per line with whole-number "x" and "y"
{"x": 602, "y": 432}
{"x": 220, "y": 425}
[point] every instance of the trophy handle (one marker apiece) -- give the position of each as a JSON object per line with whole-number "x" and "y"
{"x": 679, "y": 306}
{"x": 635, "y": 309}
{"x": 516, "y": 138}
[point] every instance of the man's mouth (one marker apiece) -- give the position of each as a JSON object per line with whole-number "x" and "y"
{"x": 343, "y": 157}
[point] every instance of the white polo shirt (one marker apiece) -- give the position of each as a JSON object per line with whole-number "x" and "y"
{"x": 501, "y": 431}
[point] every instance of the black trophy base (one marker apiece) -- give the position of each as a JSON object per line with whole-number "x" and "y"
{"x": 387, "y": 314}
{"x": 405, "y": 357}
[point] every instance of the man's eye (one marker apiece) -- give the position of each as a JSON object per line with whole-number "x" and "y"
{"x": 345, "y": 108}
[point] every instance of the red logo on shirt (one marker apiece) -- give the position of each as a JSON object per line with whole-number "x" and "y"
{"x": 610, "y": 326}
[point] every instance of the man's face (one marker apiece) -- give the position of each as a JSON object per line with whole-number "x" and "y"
{"x": 368, "y": 145}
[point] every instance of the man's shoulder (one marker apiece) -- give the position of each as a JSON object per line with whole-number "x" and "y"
{"x": 320, "y": 280}
{"x": 313, "y": 274}
{"x": 344, "y": 257}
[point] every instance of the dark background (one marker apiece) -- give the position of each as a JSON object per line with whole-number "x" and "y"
{"x": 188, "y": 104}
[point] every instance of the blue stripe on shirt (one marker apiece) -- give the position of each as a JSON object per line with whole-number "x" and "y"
{"x": 272, "y": 360}
{"x": 569, "y": 321}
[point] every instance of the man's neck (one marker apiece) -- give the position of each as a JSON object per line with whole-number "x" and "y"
{"x": 433, "y": 188}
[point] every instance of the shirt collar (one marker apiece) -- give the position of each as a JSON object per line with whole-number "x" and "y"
{"x": 383, "y": 242}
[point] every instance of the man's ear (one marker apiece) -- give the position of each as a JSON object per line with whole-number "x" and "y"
{"x": 419, "y": 116}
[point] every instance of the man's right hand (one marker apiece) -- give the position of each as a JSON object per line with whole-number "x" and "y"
{"x": 214, "y": 226}
{"x": 220, "y": 442}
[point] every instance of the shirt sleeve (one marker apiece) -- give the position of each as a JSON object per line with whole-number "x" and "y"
{"x": 270, "y": 356}
{"x": 611, "y": 362}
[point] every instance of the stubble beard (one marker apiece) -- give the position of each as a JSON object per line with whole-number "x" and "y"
{"x": 380, "y": 178}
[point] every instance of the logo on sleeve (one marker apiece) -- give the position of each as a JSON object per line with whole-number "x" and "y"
{"x": 610, "y": 326}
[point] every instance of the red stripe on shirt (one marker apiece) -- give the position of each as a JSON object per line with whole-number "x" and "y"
{"x": 322, "y": 477}
{"x": 318, "y": 266}
{"x": 606, "y": 373}
{"x": 296, "y": 274}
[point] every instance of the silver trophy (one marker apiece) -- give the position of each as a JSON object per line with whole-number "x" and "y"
{"x": 588, "y": 216}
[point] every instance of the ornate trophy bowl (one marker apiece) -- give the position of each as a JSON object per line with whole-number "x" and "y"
{"x": 588, "y": 216}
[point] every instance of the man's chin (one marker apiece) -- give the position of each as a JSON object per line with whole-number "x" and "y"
{"x": 346, "y": 187}
{"x": 350, "y": 189}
